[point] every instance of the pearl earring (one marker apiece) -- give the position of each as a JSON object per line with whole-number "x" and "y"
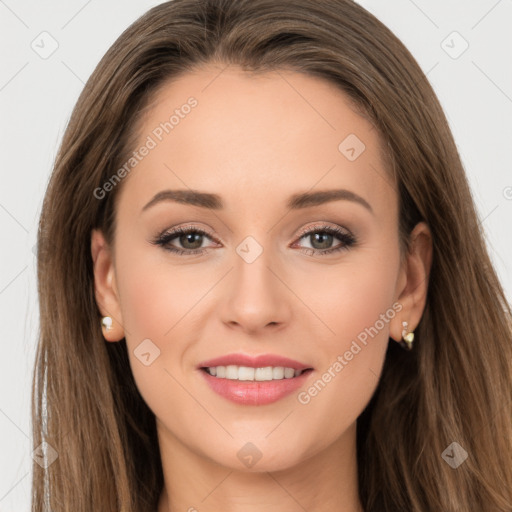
{"x": 407, "y": 337}
{"x": 106, "y": 321}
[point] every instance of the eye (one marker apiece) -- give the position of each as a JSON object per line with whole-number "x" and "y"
{"x": 191, "y": 239}
{"x": 322, "y": 237}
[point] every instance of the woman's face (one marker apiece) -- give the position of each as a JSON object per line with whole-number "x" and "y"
{"x": 293, "y": 253}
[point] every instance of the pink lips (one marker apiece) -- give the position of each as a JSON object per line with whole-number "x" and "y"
{"x": 253, "y": 392}
{"x": 254, "y": 361}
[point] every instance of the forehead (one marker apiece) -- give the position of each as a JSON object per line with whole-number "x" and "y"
{"x": 228, "y": 131}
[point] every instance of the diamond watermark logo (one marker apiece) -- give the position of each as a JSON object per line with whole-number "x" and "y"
{"x": 454, "y": 45}
{"x": 249, "y": 249}
{"x": 351, "y": 147}
{"x": 146, "y": 352}
{"x": 45, "y": 455}
{"x": 249, "y": 455}
{"x": 454, "y": 455}
{"x": 45, "y": 45}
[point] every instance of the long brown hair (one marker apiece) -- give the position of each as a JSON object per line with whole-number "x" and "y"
{"x": 456, "y": 384}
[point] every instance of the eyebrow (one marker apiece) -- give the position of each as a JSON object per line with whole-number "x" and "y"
{"x": 295, "y": 202}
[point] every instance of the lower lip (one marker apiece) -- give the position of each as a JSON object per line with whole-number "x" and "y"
{"x": 255, "y": 392}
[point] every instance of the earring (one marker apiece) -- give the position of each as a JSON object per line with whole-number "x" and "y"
{"x": 106, "y": 321}
{"x": 407, "y": 337}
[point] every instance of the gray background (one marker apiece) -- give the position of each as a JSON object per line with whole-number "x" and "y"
{"x": 38, "y": 91}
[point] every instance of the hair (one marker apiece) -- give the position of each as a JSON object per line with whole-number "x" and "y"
{"x": 455, "y": 386}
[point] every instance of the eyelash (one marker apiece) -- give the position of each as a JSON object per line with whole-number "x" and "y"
{"x": 347, "y": 240}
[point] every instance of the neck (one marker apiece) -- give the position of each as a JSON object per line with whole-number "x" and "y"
{"x": 323, "y": 482}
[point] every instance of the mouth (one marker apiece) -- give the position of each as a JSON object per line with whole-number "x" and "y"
{"x": 254, "y": 380}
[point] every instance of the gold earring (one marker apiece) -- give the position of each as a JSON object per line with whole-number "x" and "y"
{"x": 106, "y": 321}
{"x": 407, "y": 337}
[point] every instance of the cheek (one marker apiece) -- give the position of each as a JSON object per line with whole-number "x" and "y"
{"x": 354, "y": 296}
{"x": 154, "y": 296}
{"x": 358, "y": 309}
{"x": 154, "y": 305}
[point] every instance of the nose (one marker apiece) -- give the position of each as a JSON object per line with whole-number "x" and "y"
{"x": 256, "y": 299}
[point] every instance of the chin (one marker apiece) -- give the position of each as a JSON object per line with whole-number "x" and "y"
{"x": 257, "y": 456}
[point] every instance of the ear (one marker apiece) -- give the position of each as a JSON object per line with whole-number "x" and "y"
{"x": 412, "y": 284}
{"x": 105, "y": 289}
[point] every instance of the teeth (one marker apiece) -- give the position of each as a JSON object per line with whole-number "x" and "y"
{"x": 263, "y": 373}
{"x": 289, "y": 373}
{"x": 278, "y": 372}
{"x": 231, "y": 372}
{"x": 244, "y": 373}
{"x": 234, "y": 372}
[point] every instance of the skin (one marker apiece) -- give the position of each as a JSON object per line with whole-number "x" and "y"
{"x": 255, "y": 141}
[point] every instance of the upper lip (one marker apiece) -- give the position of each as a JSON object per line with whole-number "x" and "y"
{"x": 257, "y": 361}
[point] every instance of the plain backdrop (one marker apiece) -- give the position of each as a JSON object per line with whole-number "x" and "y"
{"x": 463, "y": 46}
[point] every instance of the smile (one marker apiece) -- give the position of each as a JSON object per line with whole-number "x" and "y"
{"x": 254, "y": 379}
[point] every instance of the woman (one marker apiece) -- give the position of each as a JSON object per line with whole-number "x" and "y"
{"x": 335, "y": 336}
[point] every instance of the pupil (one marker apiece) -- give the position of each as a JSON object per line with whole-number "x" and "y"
{"x": 326, "y": 242}
{"x": 191, "y": 236}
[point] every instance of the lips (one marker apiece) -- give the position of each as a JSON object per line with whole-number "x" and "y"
{"x": 274, "y": 377}
{"x": 260, "y": 361}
